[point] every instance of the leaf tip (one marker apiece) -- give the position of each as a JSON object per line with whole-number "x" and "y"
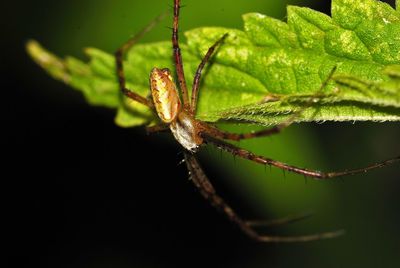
{"x": 48, "y": 61}
{"x": 31, "y": 45}
{"x": 37, "y": 52}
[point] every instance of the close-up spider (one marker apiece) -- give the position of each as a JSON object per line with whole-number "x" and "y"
{"x": 178, "y": 115}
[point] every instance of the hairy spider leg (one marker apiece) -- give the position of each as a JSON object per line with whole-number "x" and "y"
{"x": 318, "y": 175}
{"x": 200, "y": 180}
{"x": 119, "y": 57}
{"x": 178, "y": 57}
{"x": 196, "y": 80}
{"x": 221, "y": 134}
{"x": 218, "y": 133}
{"x": 280, "y": 221}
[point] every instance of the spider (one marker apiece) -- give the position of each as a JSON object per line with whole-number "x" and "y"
{"x": 178, "y": 115}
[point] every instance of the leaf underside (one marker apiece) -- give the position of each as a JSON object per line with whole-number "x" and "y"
{"x": 267, "y": 71}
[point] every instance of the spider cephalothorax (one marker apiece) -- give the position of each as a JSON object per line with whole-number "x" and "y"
{"x": 179, "y": 116}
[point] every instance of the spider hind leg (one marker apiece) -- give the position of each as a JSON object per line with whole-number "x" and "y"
{"x": 315, "y": 174}
{"x": 206, "y": 189}
{"x": 221, "y": 134}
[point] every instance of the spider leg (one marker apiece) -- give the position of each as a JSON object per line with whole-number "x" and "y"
{"x": 206, "y": 189}
{"x": 178, "y": 57}
{"x": 221, "y": 134}
{"x": 157, "y": 128}
{"x": 196, "y": 80}
{"x": 318, "y": 175}
{"x": 119, "y": 57}
{"x": 280, "y": 221}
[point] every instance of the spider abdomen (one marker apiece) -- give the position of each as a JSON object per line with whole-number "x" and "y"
{"x": 165, "y": 95}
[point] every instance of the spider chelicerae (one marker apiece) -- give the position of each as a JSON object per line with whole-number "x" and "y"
{"x": 178, "y": 114}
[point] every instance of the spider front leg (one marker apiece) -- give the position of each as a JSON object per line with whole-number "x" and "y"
{"x": 206, "y": 189}
{"x": 196, "y": 80}
{"x": 178, "y": 56}
{"x": 318, "y": 175}
{"x": 119, "y": 57}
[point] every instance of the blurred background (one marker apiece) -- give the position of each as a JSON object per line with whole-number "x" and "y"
{"x": 81, "y": 192}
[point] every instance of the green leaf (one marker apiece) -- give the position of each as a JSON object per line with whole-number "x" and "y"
{"x": 266, "y": 72}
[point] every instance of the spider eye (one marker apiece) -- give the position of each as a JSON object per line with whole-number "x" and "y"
{"x": 165, "y": 95}
{"x": 166, "y": 71}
